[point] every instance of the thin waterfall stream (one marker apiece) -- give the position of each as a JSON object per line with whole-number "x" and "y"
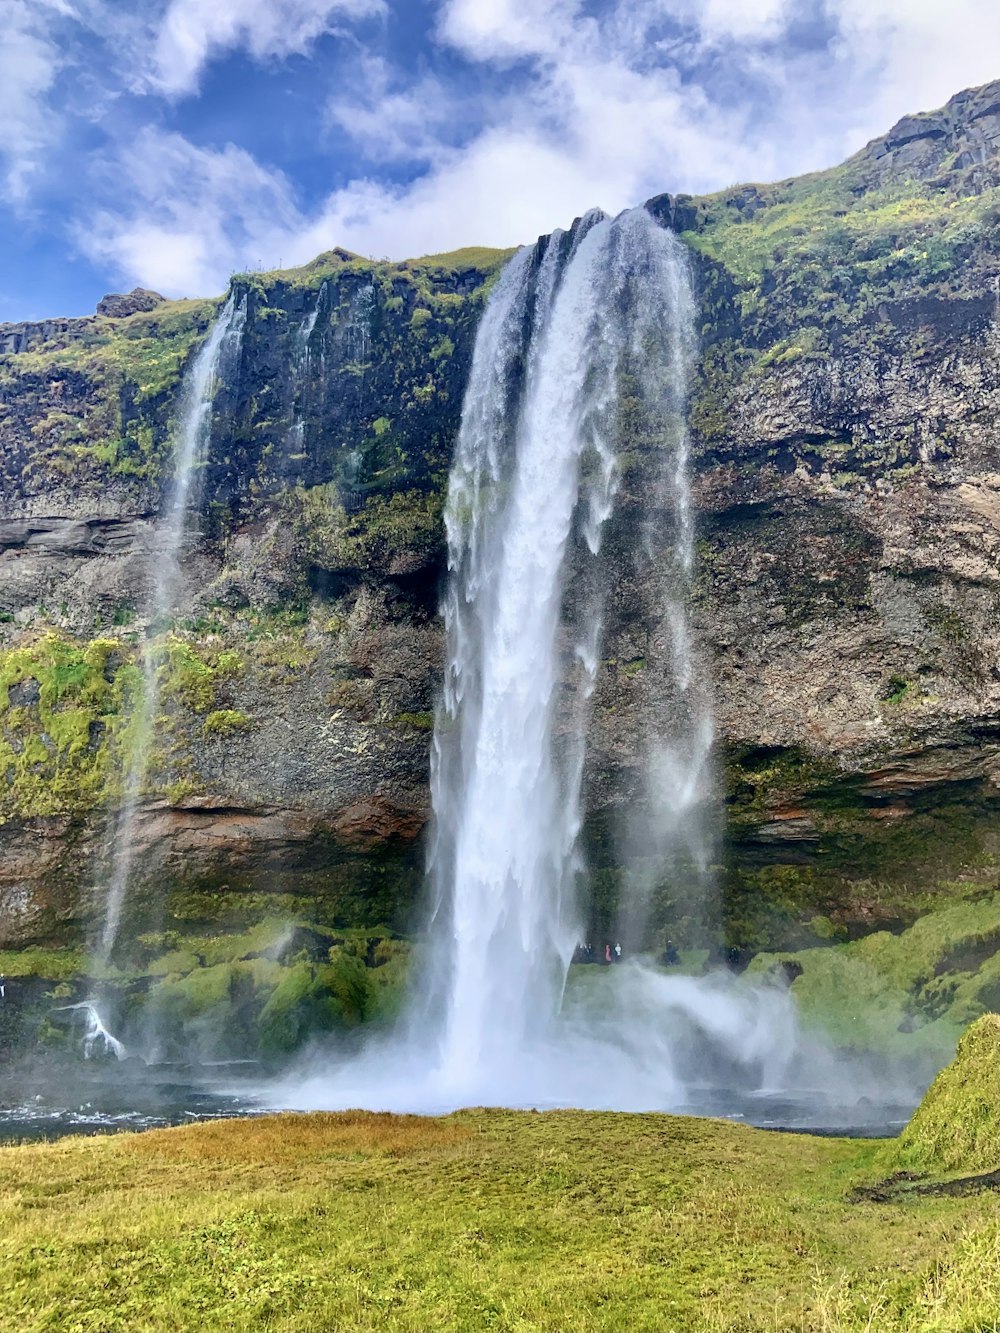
{"x": 191, "y": 443}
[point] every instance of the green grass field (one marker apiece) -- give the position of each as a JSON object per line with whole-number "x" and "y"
{"x": 482, "y": 1220}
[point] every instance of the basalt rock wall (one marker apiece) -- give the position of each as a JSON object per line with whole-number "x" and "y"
{"x": 846, "y": 477}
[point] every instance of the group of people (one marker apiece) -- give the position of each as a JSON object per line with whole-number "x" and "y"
{"x": 586, "y": 953}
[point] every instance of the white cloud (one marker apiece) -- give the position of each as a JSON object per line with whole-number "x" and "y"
{"x": 504, "y": 29}
{"x": 595, "y": 110}
{"x": 391, "y": 122}
{"x": 913, "y": 55}
{"x": 735, "y": 19}
{"x": 192, "y": 32}
{"x": 193, "y": 216}
{"x": 30, "y": 59}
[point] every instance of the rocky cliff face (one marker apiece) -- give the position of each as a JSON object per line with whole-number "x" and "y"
{"x": 848, "y": 594}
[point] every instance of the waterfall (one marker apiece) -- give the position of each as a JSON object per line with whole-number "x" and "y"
{"x": 97, "y": 1040}
{"x": 533, "y": 483}
{"x": 580, "y": 367}
{"x": 301, "y": 357}
{"x": 192, "y": 436}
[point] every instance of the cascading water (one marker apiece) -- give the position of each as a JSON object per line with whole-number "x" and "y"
{"x": 301, "y": 358}
{"x": 584, "y": 335}
{"x": 192, "y": 438}
{"x": 505, "y": 790}
{"x": 96, "y": 1040}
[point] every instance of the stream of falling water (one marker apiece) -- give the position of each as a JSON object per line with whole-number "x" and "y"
{"x": 191, "y": 441}
{"x": 580, "y": 332}
{"x": 605, "y": 301}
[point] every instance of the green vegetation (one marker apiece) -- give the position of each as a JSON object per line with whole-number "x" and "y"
{"x": 898, "y": 690}
{"x": 834, "y": 263}
{"x": 840, "y": 853}
{"x": 49, "y": 964}
{"x": 103, "y": 397}
{"x": 406, "y": 523}
{"x": 78, "y": 388}
{"x": 65, "y": 722}
{"x": 69, "y": 712}
{"x": 418, "y": 721}
{"x": 226, "y": 722}
{"x": 468, "y": 257}
{"x": 913, "y": 992}
{"x": 957, "y": 1125}
{"x": 484, "y": 1219}
{"x": 192, "y": 674}
{"x": 269, "y": 989}
{"x": 833, "y": 244}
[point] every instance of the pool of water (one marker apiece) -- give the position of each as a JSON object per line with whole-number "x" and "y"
{"x": 48, "y": 1101}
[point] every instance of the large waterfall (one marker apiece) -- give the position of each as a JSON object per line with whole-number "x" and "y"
{"x": 532, "y": 485}
{"x": 583, "y": 353}
{"x": 191, "y": 441}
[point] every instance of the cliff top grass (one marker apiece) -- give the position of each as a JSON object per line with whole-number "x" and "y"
{"x": 957, "y": 1125}
{"x": 484, "y": 259}
{"x": 481, "y": 1220}
{"x": 819, "y": 259}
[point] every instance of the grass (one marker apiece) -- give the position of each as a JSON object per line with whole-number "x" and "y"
{"x": 481, "y": 1220}
{"x": 957, "y": 1125}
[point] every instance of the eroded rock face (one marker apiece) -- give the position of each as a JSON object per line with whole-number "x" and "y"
{"x": 847, "y": 599}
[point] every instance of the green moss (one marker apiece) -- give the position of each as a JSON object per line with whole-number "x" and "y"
{"x": 468, "y": 257}
{"x": 226, "y": 722}
{"x": 898, "y": 690}
{"x": 69, "y": 714}
{"x": 406, "y": 522}
{"x": 63, "y": 747}
{"x": 443, "y": 348}
{"x": 418, "y": 721}
{"x": 192, "y": 674}
{"x": 50, "y": 964}
{"x": 915, "y": 991}
{"x": 957, "y": 1125}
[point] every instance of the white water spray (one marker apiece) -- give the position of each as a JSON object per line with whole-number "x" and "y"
{"x": 191, "y": 442}
{"x": 97, "y": 1040}
{"x": 506, "y": 790}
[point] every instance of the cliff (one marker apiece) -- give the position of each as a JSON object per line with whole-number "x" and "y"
{"x": 844, "y": 445}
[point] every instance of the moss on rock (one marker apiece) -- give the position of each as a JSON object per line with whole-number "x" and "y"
{"x": 912, "y": 992}
{"x": 957, "y": 1125}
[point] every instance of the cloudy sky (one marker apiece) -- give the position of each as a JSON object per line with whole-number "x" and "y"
{"x": 170, "y": 142}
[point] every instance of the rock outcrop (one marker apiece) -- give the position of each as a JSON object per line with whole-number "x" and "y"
{"x": 119, "y": 305}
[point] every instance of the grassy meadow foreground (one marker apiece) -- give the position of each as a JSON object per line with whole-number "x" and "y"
{"x": 484, "y": 1220}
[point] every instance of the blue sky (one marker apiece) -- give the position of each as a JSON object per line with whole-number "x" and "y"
{"x": 167, "y": 143}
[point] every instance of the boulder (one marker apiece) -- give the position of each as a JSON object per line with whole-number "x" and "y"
{"x": 117, "y": 305}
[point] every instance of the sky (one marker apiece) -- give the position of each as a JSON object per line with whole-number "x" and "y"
{"x": 170, "y": 143}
